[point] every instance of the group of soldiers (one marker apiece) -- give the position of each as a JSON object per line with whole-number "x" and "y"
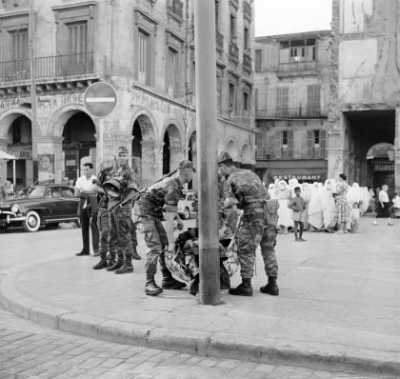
{"x": 122, "y": 205}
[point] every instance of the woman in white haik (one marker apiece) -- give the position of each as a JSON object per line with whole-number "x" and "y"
{"x": 284, "y": 213}
{"x": 328, "y": 205}
{"x": 315, "y": 214}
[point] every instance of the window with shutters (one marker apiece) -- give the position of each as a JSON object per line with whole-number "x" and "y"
{"x": 246, "y": 38}
{"x": 217, "y": 15}
{"x": 258, "y": 60}
{"x": 316, "y": 144}
{"x": 246, "y": 105}
{"x": 19, "y": 44}
{"x": 313, "y": 100}
{"x": 144, "y": 57}
{"x": 260, "y": 146}
{"x": 282, "y": 101}
{"x": 19, "y": 54}
{"x": 219, "y": 90}
{"x": 287, "y": 143}
{"x": 77, "y": 39}
{"x": 285, "y": 138}
{"x": 233, "y": 27}
{"x": 232, "y": 97}
{"x": 173, "y": 67}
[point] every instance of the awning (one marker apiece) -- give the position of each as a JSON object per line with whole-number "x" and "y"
{"x": 6, "y": 156}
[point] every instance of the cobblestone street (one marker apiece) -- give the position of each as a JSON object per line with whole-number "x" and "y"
{"x": 30, "y": 351}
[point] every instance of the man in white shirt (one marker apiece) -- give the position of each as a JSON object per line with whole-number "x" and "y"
{"x": 385, "y": 203}
{"x": 85, "y": 188}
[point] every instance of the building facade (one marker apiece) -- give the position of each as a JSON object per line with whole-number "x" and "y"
{"x": 364, "y": 115}
{"x": 145, "y": 50}
{"x": 292, "y": 78}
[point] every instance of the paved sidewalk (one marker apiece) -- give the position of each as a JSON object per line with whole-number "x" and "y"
{"x": 339, "y": 304}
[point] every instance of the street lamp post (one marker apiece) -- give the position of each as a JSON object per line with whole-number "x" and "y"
{"x": 206, "y": 124}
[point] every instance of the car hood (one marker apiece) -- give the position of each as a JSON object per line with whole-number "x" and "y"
{"x": 20, "y": 201}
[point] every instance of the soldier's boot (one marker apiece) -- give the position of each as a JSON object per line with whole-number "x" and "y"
{"x": 194, "y": 286}
{"x": 135, "y": 254}
{"x": 271, "y": 288}
{"x": 102, "y": 264}
{"x": 110, "y": 260}
{"x": 151, "y": 288}
{"x": 117, "y": 264}
{"x": 243, "y": 289}
{"x": 168, "y": 282}
{"x": 126, "y": 267}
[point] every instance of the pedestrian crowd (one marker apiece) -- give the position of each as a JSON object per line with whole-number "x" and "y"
{"x": 328, "y": 207}
{"x": 114, "y": 206}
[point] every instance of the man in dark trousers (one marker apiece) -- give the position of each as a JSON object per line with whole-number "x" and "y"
{"x": 85, "y": 188}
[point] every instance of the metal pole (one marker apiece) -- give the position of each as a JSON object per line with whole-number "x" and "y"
{"x": 206, "y": 123}
{"x": 31, "y": 33}
{"x": 14, "y": 175}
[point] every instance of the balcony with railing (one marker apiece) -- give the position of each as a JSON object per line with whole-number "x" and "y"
{"x": 233, "y": 52}
{"x": 56, "y": 68}
{"x": 291, "y": 112}
{"x": 304, "y": 68}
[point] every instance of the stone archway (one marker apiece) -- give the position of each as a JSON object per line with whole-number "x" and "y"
{"x": 172, "y": 149}
{"x": 143, "y": 150}
{"x": 16, "y": 139}
{"x": 79, "y": 143}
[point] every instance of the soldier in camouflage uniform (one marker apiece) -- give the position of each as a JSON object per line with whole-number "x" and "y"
{"x": 244, "y": 188}
{"x": 103, "y": 218}
{"x": 122, "y": 241}
{"x": 150, "y": 209}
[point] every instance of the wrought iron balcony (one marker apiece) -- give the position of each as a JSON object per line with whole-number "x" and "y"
{"x": 297, "y": 68}
{"x": 234, "y": 52}
{"x": 287, "y": 113}
{"x": 49, "y": 68}
{"x": 247, "y": 62}
{"x": 13, "y": 71}
{"x": 64, "y": 66}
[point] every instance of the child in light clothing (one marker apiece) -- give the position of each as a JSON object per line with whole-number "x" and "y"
{"x": 298, "y": 206}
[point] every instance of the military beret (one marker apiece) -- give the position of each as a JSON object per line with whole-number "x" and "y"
{"x": 185, "y": 164}
{"x": 225, "y": 158}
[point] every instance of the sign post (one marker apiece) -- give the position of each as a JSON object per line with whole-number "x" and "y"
{"x": 100, "y": 99}
{"x": 206, "y": 131}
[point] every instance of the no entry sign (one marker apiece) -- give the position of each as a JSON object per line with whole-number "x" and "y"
{"x": 100, "y": 99}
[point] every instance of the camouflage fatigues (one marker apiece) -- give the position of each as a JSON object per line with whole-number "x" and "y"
{"x": 103, "y": 224}
{"x": 103, "y": 216}
{"x": 257, "y": 222}
{"x": 121, "y": 233}
{"x": 150, "y": 210}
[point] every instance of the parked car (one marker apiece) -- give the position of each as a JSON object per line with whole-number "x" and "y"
{"x": 40, "y": 205}
{"x": 187, "y": 207}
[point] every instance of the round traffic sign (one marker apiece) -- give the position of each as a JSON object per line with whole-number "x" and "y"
{"x": 100, "y": 99}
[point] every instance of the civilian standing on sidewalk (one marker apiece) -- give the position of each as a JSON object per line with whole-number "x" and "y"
{"x": 85, "y": 188}
{"x": 384, "y": 202}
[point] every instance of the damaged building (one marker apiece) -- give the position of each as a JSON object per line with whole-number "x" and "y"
{"x": 364, "y": 116}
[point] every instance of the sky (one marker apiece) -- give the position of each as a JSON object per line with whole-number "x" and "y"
{"x": 291, "y": 16}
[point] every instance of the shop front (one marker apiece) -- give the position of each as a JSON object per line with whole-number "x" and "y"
{"x": 305, "y": 171}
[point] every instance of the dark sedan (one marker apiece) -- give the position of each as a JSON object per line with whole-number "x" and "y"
{"x": 41, "y": 205}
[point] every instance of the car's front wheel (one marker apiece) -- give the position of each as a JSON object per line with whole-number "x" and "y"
{"x": 32, "y": 221}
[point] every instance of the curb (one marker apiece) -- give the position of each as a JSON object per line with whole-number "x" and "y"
{"x": 219, "y": 345}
